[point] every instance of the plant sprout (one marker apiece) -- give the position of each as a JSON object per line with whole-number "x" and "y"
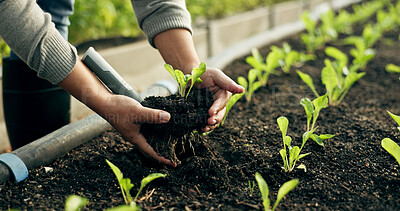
{"x": 291, "y": 154}
{"x": 289, "y": 57}
{"x": 76, "y": 203}
{"x": 283, "y": 191}
{"x": 392, "y": 68}
{"x": 264, "y": 69}
{"x": 388, "y": 144}
{"x": 314, "y": 39}
{"x": 126, "y": 185}
{"x": 251, "y": 188}
{"x": 184, "y": 79}
{"x": 234, "y": 98}
{"x": 250, "y": 86}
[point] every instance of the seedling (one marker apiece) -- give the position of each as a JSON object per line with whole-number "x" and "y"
{"x": 126, "y": 185}
{"x": 251, "y": 188}
{"x": 183, "y": 80}
{"x": 289, "y": 57}
{"x": 335, "y": 76}
{"x": 250, "y": 86}
{"x": 283, "y": 190}
{"x": 314, "y": 39}
{"x": 291, "y": 154}
{"x": 264, "y": 69}
{"x": 392, "y": 68}
{"x": 234, "y": 98}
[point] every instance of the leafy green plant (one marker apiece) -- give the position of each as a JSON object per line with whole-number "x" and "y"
{"x": 184, "y": 79}
{"x": 234, "y": 98}
{"x": 264, "y": 69}
{"x": 283, "y": 191}
{"x": 251, "y": 85}
{"x": 126, "y": 185}
{"x": 289, "y": 57}
{"x": 291, "y": 154}
{"x": 335, "y": 76}
{"x": 314, "y": 39}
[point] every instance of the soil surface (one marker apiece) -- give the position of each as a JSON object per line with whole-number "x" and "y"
{"x": 352, "y": 171}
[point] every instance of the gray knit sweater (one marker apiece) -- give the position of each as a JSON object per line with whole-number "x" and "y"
{"x": 32, "y": 36}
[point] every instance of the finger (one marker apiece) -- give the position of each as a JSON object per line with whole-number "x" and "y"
{"x": 216, "y": 119}
{"x": 227, "y": 83}
{"x": 222, "y": 98}
{"x": 148, "y": 151}
{"x": 149, "y": 115}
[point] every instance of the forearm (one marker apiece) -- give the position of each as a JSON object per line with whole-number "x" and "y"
{"x": 84, "y": 86}
{"x": 177, "y": 49}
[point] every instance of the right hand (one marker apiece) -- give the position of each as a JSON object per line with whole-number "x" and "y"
{"x": 126, "y": 115}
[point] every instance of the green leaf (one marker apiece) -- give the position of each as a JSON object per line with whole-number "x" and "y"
{"x": 287, "y": 140}
{"x": 75, "y": 203}
{"x": 171, "y": 71}
{"x": 124, "y": 183}
{"x": 180, "y": 78}
{"x": 282, "y": 152}
{"x": 392, "y": 68}
{"x": 283, "y": 124}
{"x": 302, "y": 166}
{"x": 195, "y": 75}
{"x": 273, "y": 60}
{"x": 262, "y": 185}
{"x": 293, "y": 155}
{"x": 285, "y": 189}
{"x": 232, "y": 100}
{"x": 395, "y": 117}
{"x": 319, "y": 103}
{"x": 308, "y": 80}
{"x": 391, "y": 146}
{"x": 291, "y": 58}
{"x": 307, "y": 135}
{"x": 116, "y": 171}
{"x": 351, "y": 79}
{"x": 309, "y": 108}
{"x": 303, "y": 155}
{"x": 252, "y": 75}
{"x": 125, "y": 207}
{"x": 126, "y": 187}
{"x": 338, "y": 55}
{"x": 147, "y": 180}
{"x": 329, "y": 78}
{"x": 243, "y": 82}
{"x": 256, "y": 55}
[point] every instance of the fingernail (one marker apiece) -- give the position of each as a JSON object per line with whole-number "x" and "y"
{"x": 164, "y": 117}
{"x": 206, "y": 129}
{"x": 214, "y": 121}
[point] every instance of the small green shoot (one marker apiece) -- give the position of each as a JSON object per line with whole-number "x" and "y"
{"x": 234, "y": 98}
{"x": 289, "y": 57}
{"x": 283, "y": 191}
{"x": 183, "y": 80}
{"x": 390, "y": 146}
{"x": 314, "y": 39}
{"x": 251, "y": 188}
{"x": 392, "y": 68}
{"x": 264, "y": 69}
{"x": 250, "y": 86}
{"x": 395, "y": 118}
{"x": 126, "y": 185}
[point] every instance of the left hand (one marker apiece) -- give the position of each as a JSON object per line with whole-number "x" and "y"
{"x": 222, "y": 87}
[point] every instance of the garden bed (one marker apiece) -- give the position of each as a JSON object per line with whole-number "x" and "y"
{"x": 352, "y": 171}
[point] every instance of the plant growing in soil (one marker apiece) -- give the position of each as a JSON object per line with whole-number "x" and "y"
{"x": 183, "y": 80}
{"x": 389, "y": 145}
{"x": 283, "y": 190}
{"x": 335, "y": 76}
{"x": 234, "y": 98}
{"x": 392, "y": 68}
{"x": 251, "y": 85}
{"x": 314, "y": 39}
{"x": 126, "y": 185}
{"x": 264, "y": 69}
{"x": 75, "y": 203}
{"x": 291, "y": 154}
{"x": 289, "y": 57}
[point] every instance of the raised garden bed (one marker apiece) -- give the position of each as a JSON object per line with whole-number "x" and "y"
{"x": 352, "y": 171}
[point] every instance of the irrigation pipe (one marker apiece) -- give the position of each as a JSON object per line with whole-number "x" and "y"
{"x": 63, "y": 140}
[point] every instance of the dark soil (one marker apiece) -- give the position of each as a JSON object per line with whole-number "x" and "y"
{"x": 187, "y": 115}
{"x": 352, "y": 171}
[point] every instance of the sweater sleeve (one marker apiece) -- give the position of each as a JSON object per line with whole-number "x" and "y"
{"x": 156, "y": 16}
{"x": 33, "y": 37}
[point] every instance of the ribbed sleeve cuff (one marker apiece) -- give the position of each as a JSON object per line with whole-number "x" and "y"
{"x": 55, "y": 60}
{"x": 160, "y": 24}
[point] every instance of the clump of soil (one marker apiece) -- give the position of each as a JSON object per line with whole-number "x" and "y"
{"x": 187, "y": 115}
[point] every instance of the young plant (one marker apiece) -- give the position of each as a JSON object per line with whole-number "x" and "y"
{"x": 264, "y": 69}
{"x": 283, "y": 191}
{"x": 250, "y": 86}
{"x": 289, "y": 57}
{"x": 291, "y": 154}
{"x": 314, "y": 39}
{"x": 234, "y": 98}
{"x": 335, "y": 76}
{"x": 251, "y": 188}
{"x": 392, "y": 68}
{"x": 126, "y": 185}
{"x": 389, "y": 145}
{"x": 183, "y": 80}
{"x": 76, "y": 203}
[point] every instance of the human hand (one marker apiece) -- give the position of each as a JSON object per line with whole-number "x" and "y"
{"x": 222, "y": 87}
{"x": 126, "y": 115}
